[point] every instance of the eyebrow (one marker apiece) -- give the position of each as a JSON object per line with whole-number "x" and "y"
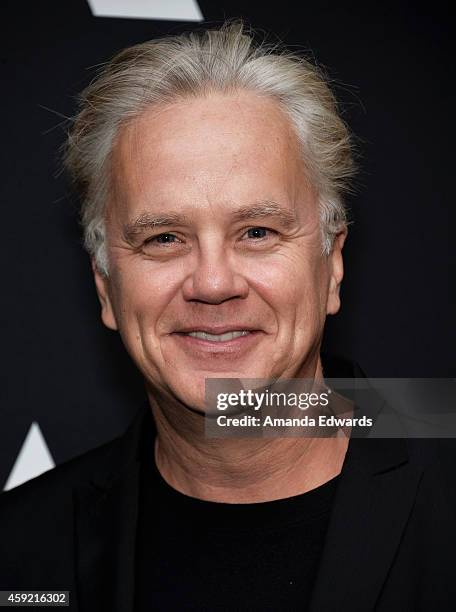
{"x": 265, "y": 209}
{"x": 147, "y": 221}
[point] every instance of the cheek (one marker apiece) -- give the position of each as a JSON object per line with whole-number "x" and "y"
{"x": 294, "y": 285}
{"x": 141, "y": 296}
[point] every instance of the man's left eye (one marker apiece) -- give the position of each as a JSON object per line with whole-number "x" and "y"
{"x": 257, "y": 232}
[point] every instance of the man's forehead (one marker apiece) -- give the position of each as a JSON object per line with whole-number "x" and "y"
{"x": 213, "y": 158}
{"x": 214, "y": 128}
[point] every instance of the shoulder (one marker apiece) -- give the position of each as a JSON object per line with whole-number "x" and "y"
{"x": 61, "y": 479}
{"x": 433, "y": 453}
{"x": 92, "y": 466}
{"x": 36, "y": 523}
{"x": 437, "y": 460}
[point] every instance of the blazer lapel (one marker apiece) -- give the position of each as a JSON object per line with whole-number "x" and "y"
{"x": 105, "y": 511}
{"x": 374, "y": 499}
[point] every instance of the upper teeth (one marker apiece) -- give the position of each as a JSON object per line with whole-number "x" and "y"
{"x": 218, "y": 337}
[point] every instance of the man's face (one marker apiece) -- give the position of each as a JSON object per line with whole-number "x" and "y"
{"x": 214, "y": 245}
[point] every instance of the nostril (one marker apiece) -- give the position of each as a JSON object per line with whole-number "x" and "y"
{"x": 214, "y": 285}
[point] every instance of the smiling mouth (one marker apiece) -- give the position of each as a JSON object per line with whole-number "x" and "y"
{"x": 229, "y": 342}
{"x": 226, "y": 337}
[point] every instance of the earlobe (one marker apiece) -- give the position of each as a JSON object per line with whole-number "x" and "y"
{"x": 336, "y": 274}
{"x": 102, "y": 286}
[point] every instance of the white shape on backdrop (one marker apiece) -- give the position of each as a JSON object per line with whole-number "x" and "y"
{"x": 33, "y": 459}
{"x": 180, "y": 10}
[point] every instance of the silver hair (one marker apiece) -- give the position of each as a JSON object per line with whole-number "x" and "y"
{"x": 193, "y": 64}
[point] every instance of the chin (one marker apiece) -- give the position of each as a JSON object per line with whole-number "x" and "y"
{"x": 191, "y": 390}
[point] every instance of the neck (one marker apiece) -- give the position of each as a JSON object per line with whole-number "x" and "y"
{"x": 246, "y": 470}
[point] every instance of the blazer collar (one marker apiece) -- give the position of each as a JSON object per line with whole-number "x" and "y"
{"x": 374, "y": 499}
{"x": 377, "y": 488}
{"x": 105, "y": 511}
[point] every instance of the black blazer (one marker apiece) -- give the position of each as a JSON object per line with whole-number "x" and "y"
{"x": 391, "y": 542}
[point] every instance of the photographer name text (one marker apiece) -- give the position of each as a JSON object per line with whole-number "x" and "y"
{"x": 305, "y": 421}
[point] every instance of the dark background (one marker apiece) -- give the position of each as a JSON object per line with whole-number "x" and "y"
{"x": 392, "y": 72}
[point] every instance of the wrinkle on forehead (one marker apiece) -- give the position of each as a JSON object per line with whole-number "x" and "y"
{"x": 210, "y": 140}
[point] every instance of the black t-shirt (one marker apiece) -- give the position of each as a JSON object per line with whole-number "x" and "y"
{"x": 199, "y": 555}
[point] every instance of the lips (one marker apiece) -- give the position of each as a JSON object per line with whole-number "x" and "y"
{"x": 217, "y": 334}
{"x": 225, "y": 337}
{"x": 225, "y": 343}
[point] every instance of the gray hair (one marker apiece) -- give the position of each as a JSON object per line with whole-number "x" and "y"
{"x": 193, "y": 64}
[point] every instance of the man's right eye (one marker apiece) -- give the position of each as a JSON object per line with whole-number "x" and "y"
{"x": 165, "y": 238}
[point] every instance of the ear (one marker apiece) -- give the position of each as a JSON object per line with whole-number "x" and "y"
{"x": 102, "y": 285}
{"x": 336, "y": 264}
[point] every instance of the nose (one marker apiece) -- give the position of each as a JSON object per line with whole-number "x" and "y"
{"x": 213, "y": 278}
